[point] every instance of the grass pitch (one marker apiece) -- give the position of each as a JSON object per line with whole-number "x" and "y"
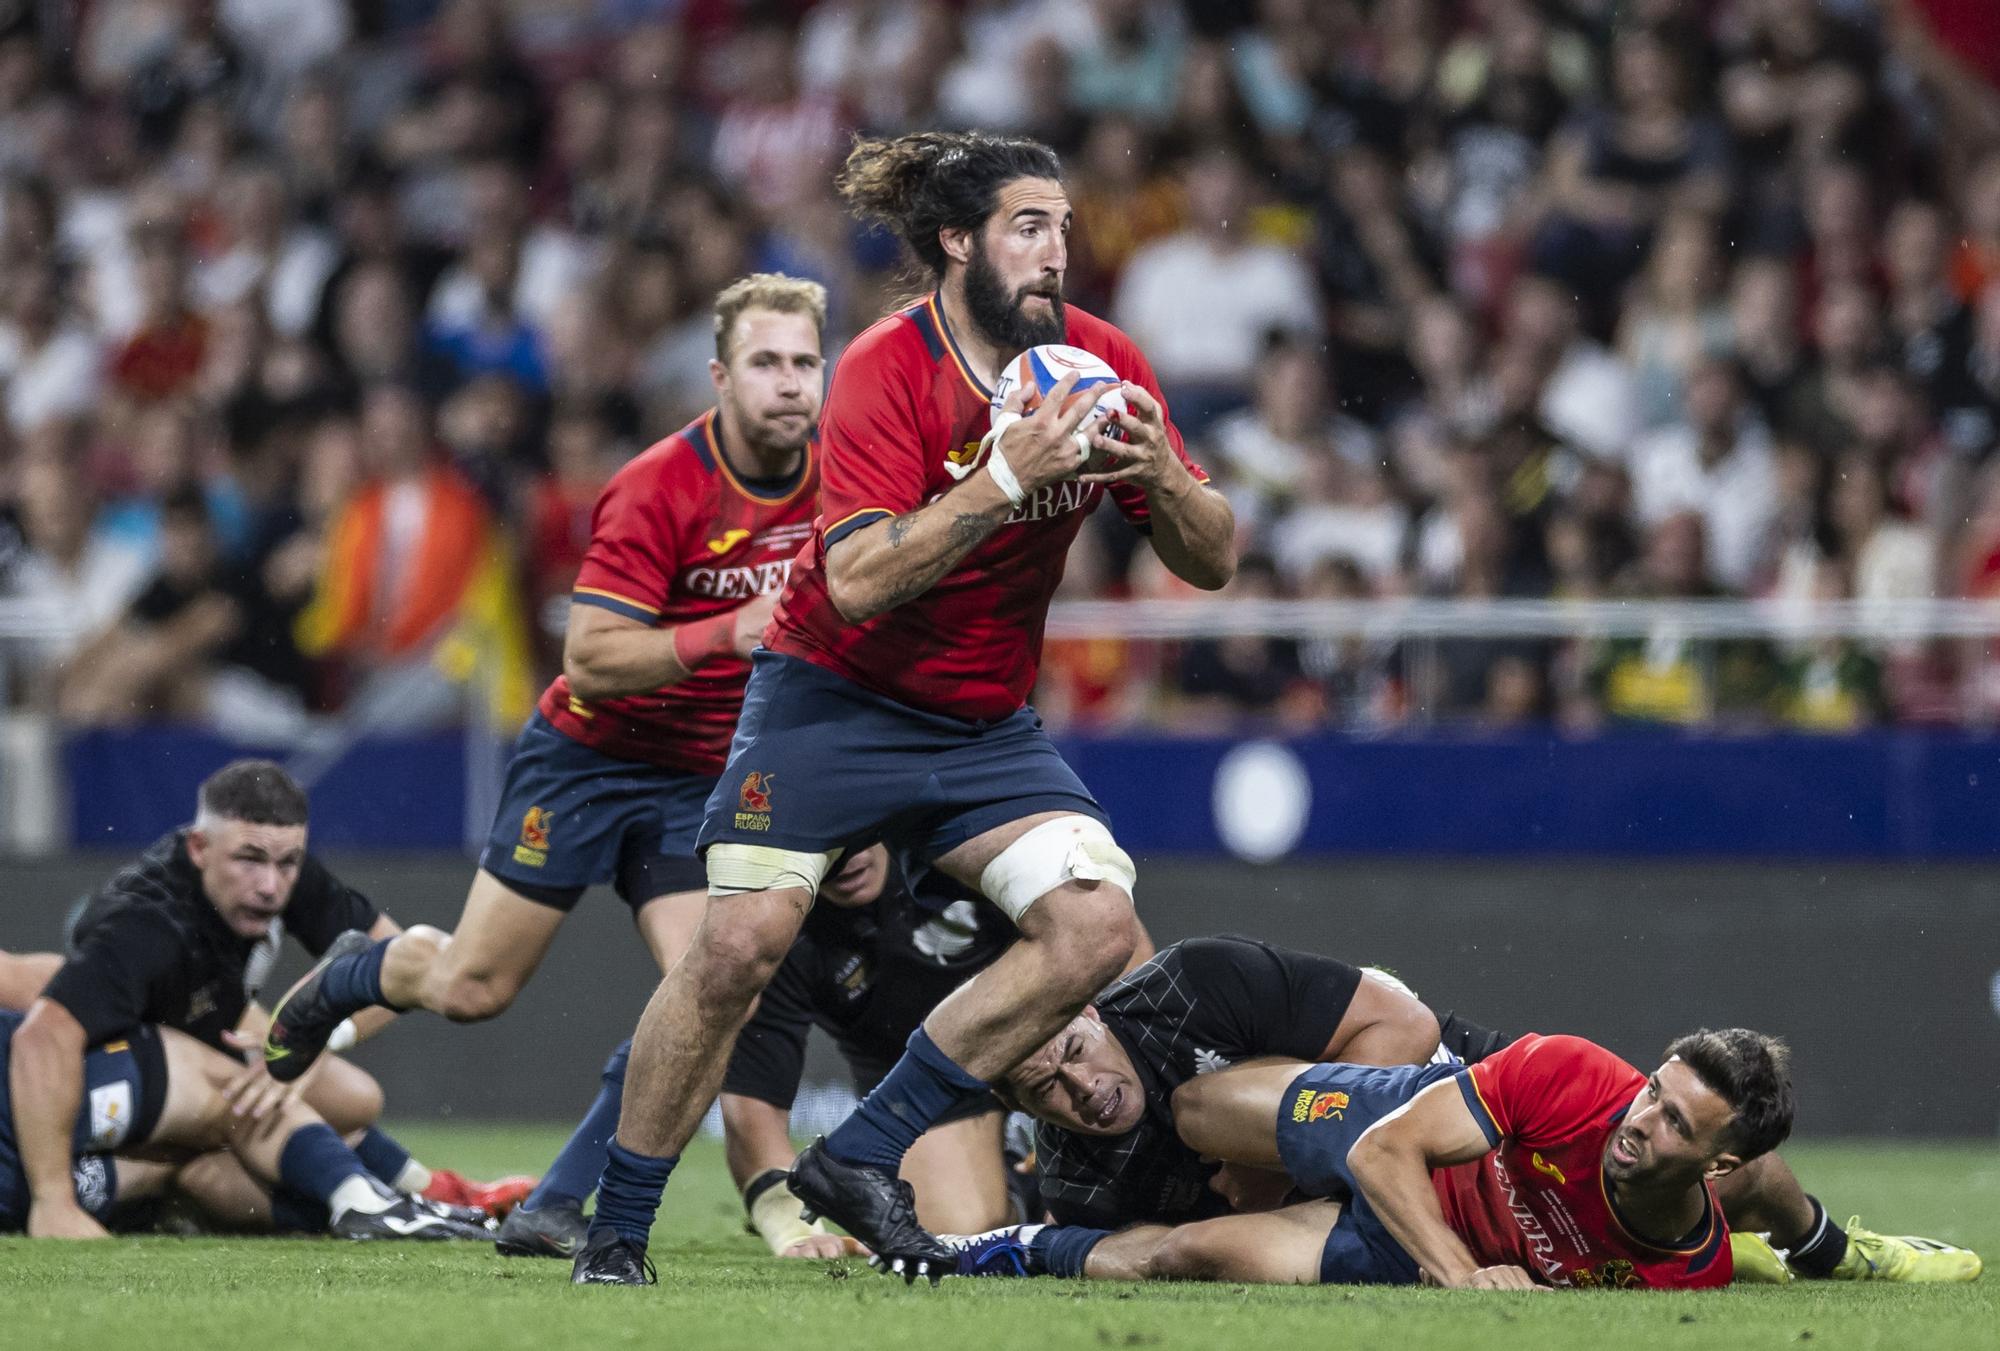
{"x": 718, "y": 1289}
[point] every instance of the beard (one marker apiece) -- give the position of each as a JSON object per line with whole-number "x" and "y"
{"x": 999, "y": 316}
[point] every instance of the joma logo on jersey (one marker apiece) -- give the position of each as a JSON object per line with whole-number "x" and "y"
{"x": 1542, "y": 1165}
{"x": 737, "y": 583}
{"x": 730, "y": 539}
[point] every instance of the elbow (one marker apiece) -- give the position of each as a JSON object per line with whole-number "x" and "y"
{"x": 856, "y": 602}
{"x": 584, "y": 681}
{"x": 1217, "y": 573}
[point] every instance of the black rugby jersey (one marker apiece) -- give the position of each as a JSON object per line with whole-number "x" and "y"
{"x": 149, "y": 948}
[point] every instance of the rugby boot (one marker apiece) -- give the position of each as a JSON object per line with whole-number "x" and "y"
{"x": 1757, "y": 1262}
{"x": 875, "y": 1206}
{"x": 1903, "y": 1257}
{"x": 411, "y": 1217}
{"x": 607, "y": 1259}
{"x": 997, "y": 1252}
{"x": 305, "y": 1018}
{"x": 496, "y": 1198}
{"x": 549, "y": 1231}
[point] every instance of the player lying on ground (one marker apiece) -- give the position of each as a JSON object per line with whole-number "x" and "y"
{"x": 1118, "y": 1096}
{"x": 689, "y": 545}
{"x": 890, "y": 704}
{"x": 184, "y": 937}
{"x": 127, "y": 1117}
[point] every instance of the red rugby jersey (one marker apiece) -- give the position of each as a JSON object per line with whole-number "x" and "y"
{"x": 678, "y": 536}
{"x": 1539, "y": 1200}
{"x": 902, "y": 426}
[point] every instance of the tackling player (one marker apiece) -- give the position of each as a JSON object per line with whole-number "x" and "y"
{"x": 891, "y": 702}
{"x": 1552, "y": 1162}
{"x": 1138, "y": 1101}
{"x": 690, "y": 543}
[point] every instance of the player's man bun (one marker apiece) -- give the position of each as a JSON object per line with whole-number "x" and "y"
{"x": 936, "y": 180}
{"x": 1751, "y": 1072}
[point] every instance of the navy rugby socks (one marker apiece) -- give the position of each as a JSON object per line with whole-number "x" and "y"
{"x": 921, "y": 1087}
{"x": 628, "y": 1195}
{"x": 573, "y": 1175}
{"x": 354, "y": 982}
{"x": 315, "y": 1161}
{"x": 1062, "y": 1249}
{"x": 381, "y": 1155}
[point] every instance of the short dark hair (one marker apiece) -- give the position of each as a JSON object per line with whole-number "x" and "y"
{"x": 929, "y": 181}
{"x": 1752, "y": 1073}
{"x": 256, "y": 791}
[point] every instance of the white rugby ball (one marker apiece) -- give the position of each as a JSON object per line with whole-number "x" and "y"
{"x": 1039, "y": 370}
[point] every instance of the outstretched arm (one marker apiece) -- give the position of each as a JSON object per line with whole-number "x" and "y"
{"x": 1392, "y": 1164}
{"x": 45, "y": 1077}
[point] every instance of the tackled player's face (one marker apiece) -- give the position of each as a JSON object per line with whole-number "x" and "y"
{"x": 1014, "y": 275}
{"x": 774, "y": 378}
{"x": 860, "y": 879}
{"x": 247, "y": 871}
{"x": 1081, "y": 1080}
{"x": 1674, "y": 1131}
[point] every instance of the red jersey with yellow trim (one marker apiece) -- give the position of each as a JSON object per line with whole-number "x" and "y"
{"x": 902, "y": 426}
{"x": 1540, "y": 1200}
{"x": 678, "y": 536}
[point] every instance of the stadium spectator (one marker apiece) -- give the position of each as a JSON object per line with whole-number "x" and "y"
{"x": 276, "y": 206}
{"x": 1718, "y": 463}
{"x": 1200, "y": 302}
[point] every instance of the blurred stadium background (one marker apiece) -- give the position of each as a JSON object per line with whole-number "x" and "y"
{"x": 1608, "y": 391}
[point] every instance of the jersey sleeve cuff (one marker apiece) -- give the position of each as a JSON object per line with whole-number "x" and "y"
{"x": 617, "y": 604}
{"x": 1476, "y": 1102}
{"x": 854, "y": 521}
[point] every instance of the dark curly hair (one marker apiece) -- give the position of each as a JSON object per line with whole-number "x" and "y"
{"x": 937, "y": 180}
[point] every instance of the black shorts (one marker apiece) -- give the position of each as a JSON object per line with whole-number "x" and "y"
{"x": 124, "y": 1090}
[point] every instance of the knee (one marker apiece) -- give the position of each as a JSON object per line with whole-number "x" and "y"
{"x": 347, "y": 1096}
{"x": 1192, "y": 1104}
{"x": 473, "y": 997}
{"x": 737, "y": 952}
{"x": 1092, "y": 932}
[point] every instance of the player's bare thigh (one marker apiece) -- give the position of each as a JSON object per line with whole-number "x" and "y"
{"x": 965, "y": 863}
{"x": 1232, "y": 1114}
{"x": 22, "y": 976}
{"x": 194, "y": 1116}
{"x": 959, "y": 1172}
{"x": 668, "y": 924}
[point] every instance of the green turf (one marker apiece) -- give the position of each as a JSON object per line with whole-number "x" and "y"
{"x": 717, "y": 1289}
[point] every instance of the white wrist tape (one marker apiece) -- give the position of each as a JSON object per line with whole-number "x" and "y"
{"x": 775, "y": 1214}
{"x": 344, "y": 1036}
{"x": 1003, "y": 473}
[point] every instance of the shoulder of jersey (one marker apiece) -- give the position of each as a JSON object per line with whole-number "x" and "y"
{"x": 893, "y": 337}
{"x": 1100, "y": 336}
{"x": 672, "y": 456}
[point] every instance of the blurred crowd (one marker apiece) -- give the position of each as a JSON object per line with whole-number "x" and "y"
{"x": 322, "y": 323}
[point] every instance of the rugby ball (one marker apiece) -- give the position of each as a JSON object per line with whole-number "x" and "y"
{"x": 1039, "y": 370}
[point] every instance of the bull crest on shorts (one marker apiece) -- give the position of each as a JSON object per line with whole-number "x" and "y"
{"x": 753, "y": 801}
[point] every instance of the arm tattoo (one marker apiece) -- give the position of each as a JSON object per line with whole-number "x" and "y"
{"x": 899, "y": 529}
{"x": 968, "y": 528}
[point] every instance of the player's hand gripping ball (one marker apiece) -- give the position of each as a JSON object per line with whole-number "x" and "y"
{"x": 1038, "y": 370}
